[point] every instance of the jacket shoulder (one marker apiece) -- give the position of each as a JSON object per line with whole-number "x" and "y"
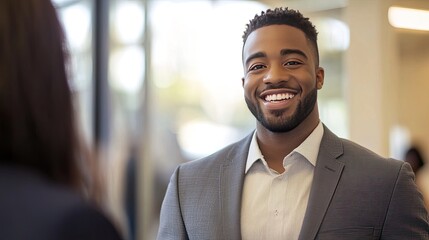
{"x": 358, "y": 154}
{"x": 37, "y": 208}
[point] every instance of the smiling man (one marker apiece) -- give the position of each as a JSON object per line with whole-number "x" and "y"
{"x": 291, "y": 178}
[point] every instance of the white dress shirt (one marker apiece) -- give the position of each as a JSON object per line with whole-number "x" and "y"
{"x": 273, "y": 204}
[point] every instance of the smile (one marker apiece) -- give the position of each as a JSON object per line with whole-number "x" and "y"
{"x": 279, "y": 97}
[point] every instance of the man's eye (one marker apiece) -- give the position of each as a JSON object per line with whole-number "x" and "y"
{"x": 256, "y": 67}
{"x": 292, "y": 63}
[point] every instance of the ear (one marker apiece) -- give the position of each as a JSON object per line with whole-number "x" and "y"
{"x": 320, "y": 77}
{"x": 242, "y": 81}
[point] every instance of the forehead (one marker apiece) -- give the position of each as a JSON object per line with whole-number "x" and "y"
{"x": 274, "y": 38}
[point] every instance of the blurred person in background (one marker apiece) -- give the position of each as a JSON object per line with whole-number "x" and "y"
{"x": 44, "y": 175}
{"x": 414, "y": 157}
{"x": 292, "y": 178}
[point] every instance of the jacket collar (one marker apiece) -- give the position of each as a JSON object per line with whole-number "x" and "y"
{"x": 231, "y": 185}
{"x": 326, "y": 177}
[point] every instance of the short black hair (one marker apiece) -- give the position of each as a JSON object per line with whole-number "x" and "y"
{"x": 284, "y": 16}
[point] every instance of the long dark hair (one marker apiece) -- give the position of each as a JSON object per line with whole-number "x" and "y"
{"x": 37, "y": 122}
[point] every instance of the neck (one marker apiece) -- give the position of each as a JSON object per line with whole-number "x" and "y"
{"x": 275, "y": 146}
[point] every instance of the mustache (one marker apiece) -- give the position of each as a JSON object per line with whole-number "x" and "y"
{"x": 279, "y": 85}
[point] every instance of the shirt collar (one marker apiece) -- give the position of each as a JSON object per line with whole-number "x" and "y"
{"x": 309, "y": 148}
{"x": 254, "y": 153}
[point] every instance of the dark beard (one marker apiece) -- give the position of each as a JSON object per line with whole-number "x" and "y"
{"x": 285, "y": 124}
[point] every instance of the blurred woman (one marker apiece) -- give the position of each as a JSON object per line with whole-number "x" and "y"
{"x": 41, "y": 166}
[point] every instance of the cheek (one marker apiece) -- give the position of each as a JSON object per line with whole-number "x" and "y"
{"x": 309, "y": 82}
{"x": 247, "y": 91}
{"x": 250, "y": 88}
{"x": 247, "y": 85}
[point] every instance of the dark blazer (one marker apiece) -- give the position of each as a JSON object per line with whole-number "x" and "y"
{"x": 32, "y": 208}
{"x": 355, "y": 194}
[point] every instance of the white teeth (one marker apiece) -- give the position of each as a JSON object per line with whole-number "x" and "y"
{"x": 279, "y": 97}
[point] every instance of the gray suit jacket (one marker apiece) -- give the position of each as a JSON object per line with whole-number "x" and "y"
{"x": 355, "y": 194}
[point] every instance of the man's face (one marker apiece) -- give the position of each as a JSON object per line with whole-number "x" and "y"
{"x": 281, "y": 77}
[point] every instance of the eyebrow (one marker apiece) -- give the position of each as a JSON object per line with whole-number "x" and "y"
{"x": 255, "y": 55}
{"x": 283, "y": 52}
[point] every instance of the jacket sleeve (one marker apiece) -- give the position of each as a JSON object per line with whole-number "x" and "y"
{"x": 406, "y": 216}
{"x": 171, "y": 226}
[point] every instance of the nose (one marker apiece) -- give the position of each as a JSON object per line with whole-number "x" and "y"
{"x": 274, "y": 74}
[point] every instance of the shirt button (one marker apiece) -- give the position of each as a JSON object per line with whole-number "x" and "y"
{"x": 276, "y": 212}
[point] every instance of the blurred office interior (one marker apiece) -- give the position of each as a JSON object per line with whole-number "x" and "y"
{"x": 158, "y": 83}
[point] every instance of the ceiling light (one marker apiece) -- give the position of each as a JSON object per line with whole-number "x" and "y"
{"x": 409, "y": 18}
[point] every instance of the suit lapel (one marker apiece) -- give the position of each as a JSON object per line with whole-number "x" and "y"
{"x": 230, "y": 188}
{"x": 327, "y": 174}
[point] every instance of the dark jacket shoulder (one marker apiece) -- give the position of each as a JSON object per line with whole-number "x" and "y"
{"x": 33, "y": 207}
